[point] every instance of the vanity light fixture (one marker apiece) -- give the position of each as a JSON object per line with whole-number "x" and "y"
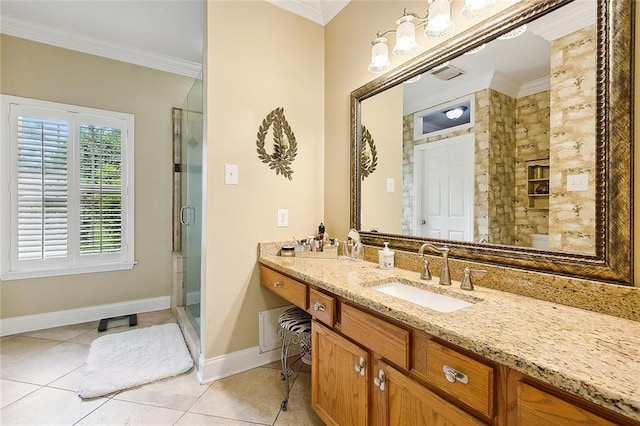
{"x": 437, "y": 22}
{"x": 440, "y": 22}
{"x": 473, "y": 8}
{"x": 405, "y": 36}
{"x": 513, "y": 33}
{"x": 455, "y": 113}
{"x": 379, "y": 55}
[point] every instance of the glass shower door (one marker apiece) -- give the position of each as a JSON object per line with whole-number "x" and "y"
{"x": 191, "y": 209}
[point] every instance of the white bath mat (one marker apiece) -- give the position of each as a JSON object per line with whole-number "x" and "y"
{"x": 132, "y": 358}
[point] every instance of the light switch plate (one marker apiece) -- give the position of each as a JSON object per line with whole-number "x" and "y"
{"x": 283, "y": 218}
{"x": 231, "y": 174}
{"x": 578, "y": 182}
{"x": 391, "y": 184}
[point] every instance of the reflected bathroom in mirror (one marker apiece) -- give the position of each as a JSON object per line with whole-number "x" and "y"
{"x": 507, "y": 149}
{"x": 467, "y": 179}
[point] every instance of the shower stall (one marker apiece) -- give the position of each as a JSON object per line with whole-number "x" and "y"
{"x": 187, "y": 214}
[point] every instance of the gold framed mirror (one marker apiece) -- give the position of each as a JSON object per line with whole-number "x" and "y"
{"x": 608, "y": 254}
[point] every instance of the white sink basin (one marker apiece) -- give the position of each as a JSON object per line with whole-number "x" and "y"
{"x": 435, "y": 301}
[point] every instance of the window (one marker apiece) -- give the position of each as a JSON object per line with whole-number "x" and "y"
{"x": 444, "y": 118}
{"x": 66, "y": 202}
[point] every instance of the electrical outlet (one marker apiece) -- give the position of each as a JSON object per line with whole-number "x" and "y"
{"x": 283, "y": 218}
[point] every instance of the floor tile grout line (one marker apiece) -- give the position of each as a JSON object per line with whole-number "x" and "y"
{"x": 208, "y": 386}
{"x": 22, "y": 397}
{"x": 65, "y": 374}
{"x": 91, "y": 412}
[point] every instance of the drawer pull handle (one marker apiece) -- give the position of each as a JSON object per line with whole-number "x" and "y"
{"x": 452, "y": 375}
{"x": 379, "y": 381}
{"x": 318, "y": 307}
{"x": 360, "y": 366}
{"x": 277, "y": 284}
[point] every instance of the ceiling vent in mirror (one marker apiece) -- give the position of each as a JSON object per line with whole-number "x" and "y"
{"x": 447, "y": 72}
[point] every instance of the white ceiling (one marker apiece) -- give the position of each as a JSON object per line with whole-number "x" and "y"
{"x": 161, "y": 34}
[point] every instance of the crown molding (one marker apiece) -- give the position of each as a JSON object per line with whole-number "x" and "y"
{"x": 69, "y": 40}
{"x": 331, "y": 8}
{"x": 576, "y": 16}
{"x": 318, "y": 11}
{"x": 540, "y": 85}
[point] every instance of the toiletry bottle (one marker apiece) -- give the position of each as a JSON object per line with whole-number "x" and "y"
{"x": 385, "y": 257}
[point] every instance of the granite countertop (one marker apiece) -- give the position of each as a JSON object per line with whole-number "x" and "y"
{"x": 592, "y": 355}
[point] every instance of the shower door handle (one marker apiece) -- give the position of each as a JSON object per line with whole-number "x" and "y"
{"x": 183, "y": 210}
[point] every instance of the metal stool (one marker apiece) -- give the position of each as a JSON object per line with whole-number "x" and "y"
{"x": 294, "y": 327}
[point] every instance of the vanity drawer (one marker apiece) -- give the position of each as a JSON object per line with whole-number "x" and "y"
{"x": 377, "y": 335}
{"x": 322, "y": 307}
{"x": 477, "y": 392}
{"x": 537, "y": 407}
{"x": 285, "y": 287}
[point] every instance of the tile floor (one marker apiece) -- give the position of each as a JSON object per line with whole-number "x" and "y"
{"x": 40, "y": 372}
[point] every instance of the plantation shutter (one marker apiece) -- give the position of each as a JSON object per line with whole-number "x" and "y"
{"x": 101, "y": 213}
{"x": 42, "y": 209}
{"x": 66, "y": 189}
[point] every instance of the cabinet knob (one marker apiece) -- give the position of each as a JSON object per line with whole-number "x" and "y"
{"x": 379, "y": 381}
{"x": 277, "y": 284}
{"x": 318, "y": 307}
{"x": 452, "y": 375}
{"x": 359, "y": 367}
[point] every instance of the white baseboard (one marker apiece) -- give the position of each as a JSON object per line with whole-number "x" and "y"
{"x": 76, "y": 316}
{"x": 233, "y": 363}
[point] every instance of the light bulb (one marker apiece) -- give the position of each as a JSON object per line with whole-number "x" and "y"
{"x": 439, "y": 22}
{"x": 405, "y": 36}
{"x": 455, "y": 113}
{"x": 379, "y": 56}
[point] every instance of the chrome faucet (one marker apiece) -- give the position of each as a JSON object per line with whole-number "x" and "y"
{"x": 445, "y": 278}
{"x": 466, "y": 283}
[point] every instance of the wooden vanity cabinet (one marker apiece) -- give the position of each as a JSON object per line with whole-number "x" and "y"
{"x": 339, "y": 378}
{"x": 322, "y": 307}
{"x": 289, "y": 289}
{"x": 367, "y": 370}
{"x": 533, "y": 403}
{"x": 400, "y": 400}
{"x": 345, "y": 377}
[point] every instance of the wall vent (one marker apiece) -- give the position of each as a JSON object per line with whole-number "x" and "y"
{"x": 268, "y": 329}
{"x": 446, "y": 72}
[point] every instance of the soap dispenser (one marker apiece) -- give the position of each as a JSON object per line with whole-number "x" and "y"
{"x": 385, "y": 257}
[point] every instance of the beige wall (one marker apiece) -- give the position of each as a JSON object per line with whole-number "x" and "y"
{"x": 382, "y": 116}
{"x": 259, "y": 57}
{"x": 45, "y": 72}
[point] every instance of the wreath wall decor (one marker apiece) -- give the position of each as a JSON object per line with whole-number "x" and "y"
{"x": 369, "y": 154}
{"x": 285, "y": 147}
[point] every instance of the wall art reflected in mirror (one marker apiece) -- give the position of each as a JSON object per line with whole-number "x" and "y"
{"x": 504, "y": 146}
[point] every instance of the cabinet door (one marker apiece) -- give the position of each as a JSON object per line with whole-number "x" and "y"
{"x": 339, "y": 378}
{"x": 399, "y": 400}
{"x": 538, "y": 408}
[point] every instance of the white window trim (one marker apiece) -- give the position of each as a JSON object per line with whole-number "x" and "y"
{"x": 7, "y": 234}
